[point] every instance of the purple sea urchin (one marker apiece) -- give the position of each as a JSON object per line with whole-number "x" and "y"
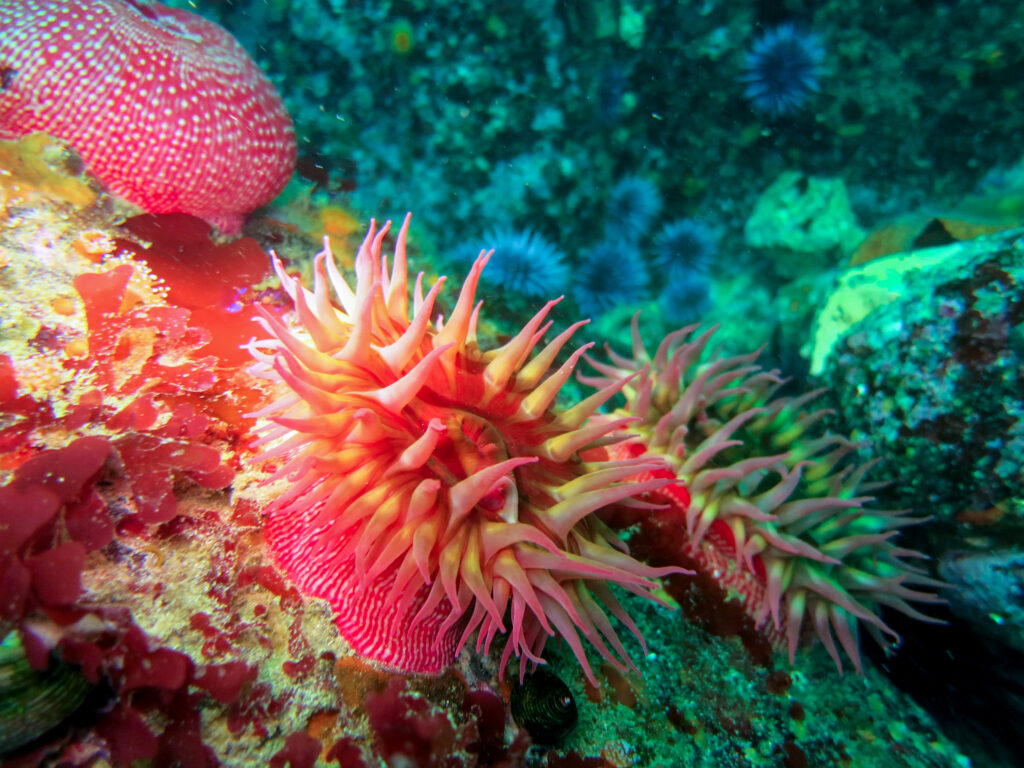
{"x": 782, "y": 70}
{"x": 684, "y": 246}
{"x": 524, "y": 264}
{"x": 683, "y": 252}
{"x": 609, "y": 274}
{"x": 632, "y": 206}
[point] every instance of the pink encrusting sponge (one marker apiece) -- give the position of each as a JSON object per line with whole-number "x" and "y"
{"x": 429, "y": 488}
{"x": 164, "y": 107}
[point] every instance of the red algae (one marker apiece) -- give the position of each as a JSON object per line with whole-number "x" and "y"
{"x": 224, "y": 681}
{"x": 57, "y": 573}
{"x": 68, "y": 472}
{"x": 126, "y": 351}
{"x": 300, "y": 750}
{"x": 405, "y": 728}
{"x": 213, "y": 281}
{"x": 346, "y": 754}
{"x": 38, "y": 569}
{"x": 488, "y": 712}
{"x": 22, "y": 513}
{"x": 161, "y": 668}
{"x": 181, "y": 744}
{"x": 89, "y": 522}
{"x": 138, "y": 432}
{"x": 301, "y": 667}
{"x": 128, "y": 735}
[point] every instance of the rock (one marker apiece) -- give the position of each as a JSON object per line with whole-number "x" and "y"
{"x": 805, "y": 221}
{"x": 923, "y": 353}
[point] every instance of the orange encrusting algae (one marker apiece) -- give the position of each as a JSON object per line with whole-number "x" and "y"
{"x": 433, "y": 491}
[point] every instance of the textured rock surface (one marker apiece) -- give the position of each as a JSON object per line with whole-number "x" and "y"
{"x": 923, "y": 353}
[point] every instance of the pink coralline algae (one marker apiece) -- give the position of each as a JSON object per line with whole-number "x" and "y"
{"x": 165, "y": 107}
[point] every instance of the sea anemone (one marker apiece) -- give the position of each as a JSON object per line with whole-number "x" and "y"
{"x": 524, "y": 264}
{"x": 782, "y": 70}
{"x": 428, "y": 490}
{"x": 776, "y": 513}
{"x": 609, "y": 274}
{"x": 208, "y": 134}
{"x": 632, "y": 206}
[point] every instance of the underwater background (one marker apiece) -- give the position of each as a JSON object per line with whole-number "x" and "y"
{"x": 264, "y": 507}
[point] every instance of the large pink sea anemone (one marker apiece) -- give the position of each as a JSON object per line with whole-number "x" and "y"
{"x": 429, "y": 488}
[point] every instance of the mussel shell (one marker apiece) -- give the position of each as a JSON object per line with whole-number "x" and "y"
{"x": 34, "y": 701}
{"x": 544, "y": 706}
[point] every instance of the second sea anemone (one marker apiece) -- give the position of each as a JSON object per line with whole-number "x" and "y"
{"x": 775, "y": 511}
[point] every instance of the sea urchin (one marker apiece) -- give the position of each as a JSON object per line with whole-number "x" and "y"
{"x": 524, "y": 264}
{"x": 609, "y": 274}
{"x": 783, "y": 70}
{"x": 432, "y": 491}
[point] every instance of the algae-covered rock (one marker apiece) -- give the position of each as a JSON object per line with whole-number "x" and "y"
{"x": 805, "y": 221}
{"x": 923, "y": 353}
{"x": 860, "y": 292}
